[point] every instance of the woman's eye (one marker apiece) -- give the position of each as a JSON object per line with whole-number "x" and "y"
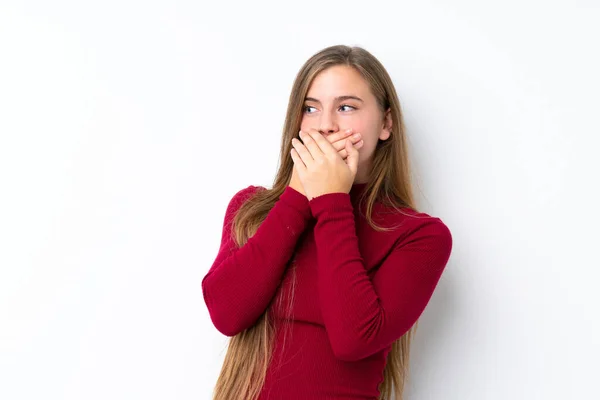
{"x": 343, "y": 105}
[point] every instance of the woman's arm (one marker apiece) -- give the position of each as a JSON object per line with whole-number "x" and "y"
{"x": 242, "y": 281}
{"x": 364, "y": 315}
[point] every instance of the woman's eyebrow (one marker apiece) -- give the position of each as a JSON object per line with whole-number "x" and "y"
{"x": 339, "y": 98}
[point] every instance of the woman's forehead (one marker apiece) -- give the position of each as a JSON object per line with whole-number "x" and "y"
{"x": 336, "y": 82}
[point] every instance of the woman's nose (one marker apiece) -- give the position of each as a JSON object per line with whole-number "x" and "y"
{"x": 327, "y": 125}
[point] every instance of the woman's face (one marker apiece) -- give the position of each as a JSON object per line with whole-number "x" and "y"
{"x": 339, "y": 99}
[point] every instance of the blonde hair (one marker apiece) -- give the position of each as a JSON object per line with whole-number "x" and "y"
{"x": 249, "y": 352}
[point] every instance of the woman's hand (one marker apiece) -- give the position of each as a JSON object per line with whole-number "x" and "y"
{"x": 320, "y": 168}
{"x": 338, "y": 141}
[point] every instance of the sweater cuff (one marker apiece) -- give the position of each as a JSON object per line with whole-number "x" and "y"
{"x": 296, "y": 200}
{"x": 330, "y": 203}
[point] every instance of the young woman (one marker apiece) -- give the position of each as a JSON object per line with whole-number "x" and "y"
{"x": 320, "y": 280}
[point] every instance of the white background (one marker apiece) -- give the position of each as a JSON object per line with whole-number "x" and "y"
{"x": 126, "y": 127}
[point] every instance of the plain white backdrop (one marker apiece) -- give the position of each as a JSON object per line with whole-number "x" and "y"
{"x": 126, "y": 126}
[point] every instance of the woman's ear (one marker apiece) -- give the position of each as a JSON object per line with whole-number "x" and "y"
{"x": 386, "y": 130}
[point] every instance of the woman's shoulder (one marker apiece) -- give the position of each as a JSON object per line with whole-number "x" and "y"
{"x": 243, "y": 194}
{"x": 409, "y": 220}
{"x": 248, "y": 191}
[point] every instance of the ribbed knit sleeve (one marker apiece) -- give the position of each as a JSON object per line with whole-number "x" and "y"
{"x": 242, "y": 281}
{"x": 363, "y": 314}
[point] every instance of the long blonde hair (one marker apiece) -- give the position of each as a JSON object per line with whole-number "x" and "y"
{"x": 249, "y": 352}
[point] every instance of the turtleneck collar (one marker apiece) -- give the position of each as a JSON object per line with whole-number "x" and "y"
{"x": 357, "y": 189}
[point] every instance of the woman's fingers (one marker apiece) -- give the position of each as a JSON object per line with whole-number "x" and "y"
{"x": 317, "y": 144}
{"x": 339, "y": 143}
{"x": 343, "y": 153}
{"x": 303, "y": 154}
{"x": 334, "y": 137}
{"x": 311, "y": 142}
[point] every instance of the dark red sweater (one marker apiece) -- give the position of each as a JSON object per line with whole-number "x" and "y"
{"x": 356, "y": 291}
